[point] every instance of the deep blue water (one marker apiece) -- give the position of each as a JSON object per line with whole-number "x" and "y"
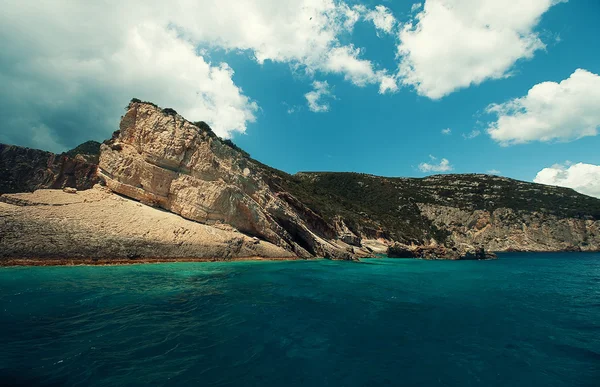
{"x": 523, "y": 320}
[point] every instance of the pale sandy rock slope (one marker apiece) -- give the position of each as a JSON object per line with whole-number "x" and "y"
{"x": 97, "y": 223}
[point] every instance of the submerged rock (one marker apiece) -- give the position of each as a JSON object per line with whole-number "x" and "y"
{"x": 466, "y": 252}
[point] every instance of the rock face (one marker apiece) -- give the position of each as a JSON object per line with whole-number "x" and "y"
{"x": 89, "y": 152}
{"x": 24, "y": 169}
{"x": 160, "y": 159}
{"x": 505, "y": 229}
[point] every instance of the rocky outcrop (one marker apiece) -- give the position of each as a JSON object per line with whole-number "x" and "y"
{"x": 453, "y": 211}
{"x": 25, "y": 170}
{"x": 461, "y": 251}
{"x": 160, "y": 159}
{"x": 505, "y": 229}
{"x": 88, "y": 152}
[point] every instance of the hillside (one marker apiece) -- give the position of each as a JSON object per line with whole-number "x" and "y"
{"x": 162, "y": 160}
{"x": 385, "y": 200}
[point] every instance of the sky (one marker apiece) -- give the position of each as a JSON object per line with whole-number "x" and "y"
{"x": 392, "y": 88}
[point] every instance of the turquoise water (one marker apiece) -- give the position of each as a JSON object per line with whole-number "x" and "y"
{"x": 523, "y": 320}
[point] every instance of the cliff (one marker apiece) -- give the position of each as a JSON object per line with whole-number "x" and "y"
{"x": 25, "y": 170}
{"x": 159, "y": 159}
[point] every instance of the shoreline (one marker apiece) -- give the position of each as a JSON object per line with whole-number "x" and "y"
{"x": 31, "y": 262}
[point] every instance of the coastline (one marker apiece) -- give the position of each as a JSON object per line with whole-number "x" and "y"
{"x": 30, "y": 262}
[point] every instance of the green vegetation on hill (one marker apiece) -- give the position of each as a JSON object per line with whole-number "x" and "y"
{"x": 87, "y": 148}
{"x": 393, "y": 201}
{"x": 366, "y": 203}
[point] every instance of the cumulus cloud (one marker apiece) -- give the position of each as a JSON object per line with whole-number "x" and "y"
{"x": 345, "y": 60}
{"x": 583, "y": 178}
{"x": 317, "y": 99}
{"x": 474, "y": 40}
{"x": 68, "y": 68}
{"x": 306, "y": 33}
{"x": 493, "y": 172}
{"x": 447, "y": 131}
{"x": 550, "y": 111}
{"x": 382, "y": 18}
{"x": 432, "y": 166}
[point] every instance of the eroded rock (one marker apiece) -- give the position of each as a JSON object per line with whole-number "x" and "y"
{"x": 165, "y": 161}
{"x": 25, "y": 170}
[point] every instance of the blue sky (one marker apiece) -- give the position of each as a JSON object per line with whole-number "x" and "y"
{"x": 384, "y": 79}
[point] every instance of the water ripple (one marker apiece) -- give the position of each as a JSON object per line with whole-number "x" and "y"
{"x": 517, "y": 321}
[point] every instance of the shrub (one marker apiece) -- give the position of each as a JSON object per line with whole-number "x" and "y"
{"x": 137, "y": 100}
{"x": 203, "y": 126}
{"x": 230, "y": 144}
{"x": 169, "y": 112}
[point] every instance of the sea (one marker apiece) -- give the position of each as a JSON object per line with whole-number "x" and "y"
{"x": 522, "y": 320}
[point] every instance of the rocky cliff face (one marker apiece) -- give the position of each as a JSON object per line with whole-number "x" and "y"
{"x": 24, "y": 169}
{"x": 159, "y": 158}
{"x": 505, "y": 229}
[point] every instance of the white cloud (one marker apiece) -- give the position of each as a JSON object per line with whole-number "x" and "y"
{"x": 416, "y": 7}
{"x": 315, "y": 98}
{"x": 471, "y": 135}
{"x": 306, "y": 33}
{"x": 72, "y": 67}
{"x": 447, "y": 131}
{"x": 388, "y": 83}
{"x": 291, "y": 109}
{"x": 563, "y": 111}
{"x": 583, "y": 178}
{"x": 442, "y": 166}
{"x": 453, "y": 44}
{"x": 493, "y": 172}
{"x": 60, "y": 53}
{"x": 382, "y": 18}
{"x": 360, "y": 72}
